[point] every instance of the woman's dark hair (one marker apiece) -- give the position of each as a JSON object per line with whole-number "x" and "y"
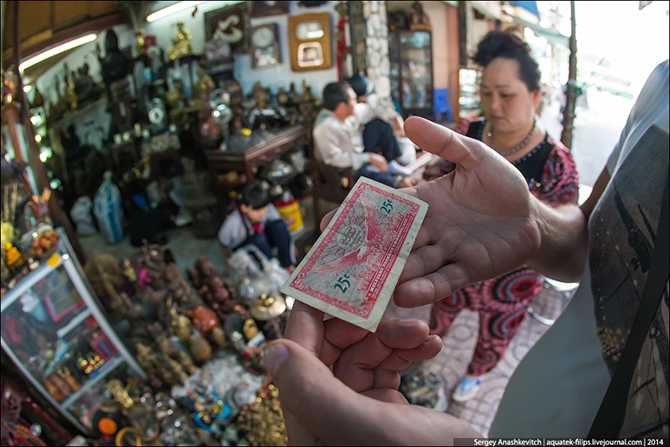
{"x": 501, "y": 44}
{"x": 335, "y": 93}
{"x": 254, "y": 195}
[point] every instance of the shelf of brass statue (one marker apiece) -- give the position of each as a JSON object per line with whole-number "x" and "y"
{"x": 248, "y": 160}
{"x": 104, "y": 371}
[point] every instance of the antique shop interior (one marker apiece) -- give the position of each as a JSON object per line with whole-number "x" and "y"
{"x": 129, "y": 131}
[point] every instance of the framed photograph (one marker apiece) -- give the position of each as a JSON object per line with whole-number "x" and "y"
{"x": 310, "y": 54}
{"x": 264, "y": 44}
{"x": 228, "y": 24}
{"x": 264, "y": 9}
{"x": 310, "y": 41}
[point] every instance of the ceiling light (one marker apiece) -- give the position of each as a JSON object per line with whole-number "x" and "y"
{"x": 57, "y": 50}
{"x": 27, "y": 88}
{"x": 179, "y": 6}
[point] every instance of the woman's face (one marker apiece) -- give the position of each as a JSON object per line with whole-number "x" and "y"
{"x": 507, "y": 102}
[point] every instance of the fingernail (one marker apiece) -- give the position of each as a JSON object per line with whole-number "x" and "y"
{"x": 273, "y": 356}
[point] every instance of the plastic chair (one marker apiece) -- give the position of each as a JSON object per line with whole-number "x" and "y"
{"x": 441, "y": 105}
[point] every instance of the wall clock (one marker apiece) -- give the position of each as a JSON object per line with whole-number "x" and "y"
{"x": 264, "y": 46}
{"x": 310, "y": 41}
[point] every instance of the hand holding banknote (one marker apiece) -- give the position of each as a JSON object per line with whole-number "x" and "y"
{"x": 478, "y": 225}
{"x": 357, "y": 402}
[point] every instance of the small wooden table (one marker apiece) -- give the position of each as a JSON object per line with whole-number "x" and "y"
{"x": 248, "y": 161}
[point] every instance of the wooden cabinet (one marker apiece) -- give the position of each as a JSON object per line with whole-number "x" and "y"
{"x": 411, "y": 57}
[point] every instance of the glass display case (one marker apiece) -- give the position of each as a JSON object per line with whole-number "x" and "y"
{"x": 411, "y": 58}
{"x": 468, "y": 98}
{"x": 55, "y": 332}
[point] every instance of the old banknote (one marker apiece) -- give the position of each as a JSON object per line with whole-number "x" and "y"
{"x": 354, "y": 266}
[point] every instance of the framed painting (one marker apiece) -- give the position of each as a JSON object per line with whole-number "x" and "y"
{"x": 230, "y": 25}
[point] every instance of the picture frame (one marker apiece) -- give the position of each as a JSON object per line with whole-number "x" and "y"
{"x": 229, "y": 22}
{"x": 310, "y": 41}
{"x": 310, "y": 54}
{"x": 265, "y": 9}
{"x": 264, "y": 46}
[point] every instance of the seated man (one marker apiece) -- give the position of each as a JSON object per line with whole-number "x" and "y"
{"x": 339, "y": 140}
{"x": 257, "y": 222}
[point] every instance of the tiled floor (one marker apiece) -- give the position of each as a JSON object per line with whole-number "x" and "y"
{"x": 459, "y": 344}
{"x": 451, "y": 363}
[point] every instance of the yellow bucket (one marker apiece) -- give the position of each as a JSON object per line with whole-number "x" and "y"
{"x": 290, "y": 214}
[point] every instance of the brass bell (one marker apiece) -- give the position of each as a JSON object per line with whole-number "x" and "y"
{"x": 268, "y": 307}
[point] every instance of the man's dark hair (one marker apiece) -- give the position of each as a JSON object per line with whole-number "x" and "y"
{"x": 254, "y": 195}
{"x": 506, "y": 45}
{"x": 335, "y": 93}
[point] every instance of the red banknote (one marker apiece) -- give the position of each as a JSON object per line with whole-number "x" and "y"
{"x": 354, "y": 266}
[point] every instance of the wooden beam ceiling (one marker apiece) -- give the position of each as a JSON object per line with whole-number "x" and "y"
{"x": 46, "y": 23}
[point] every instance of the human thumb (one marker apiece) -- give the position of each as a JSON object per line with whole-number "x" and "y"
{"x": 274, "y": 355}
{"x": 293, "y": 368}
{"x": 310, "y": 392}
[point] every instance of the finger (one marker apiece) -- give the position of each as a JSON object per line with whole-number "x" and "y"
{"x": 429, "y": 232}
{"x": 355, "y": 366}
{"x": 433, "y": 287}
{"x": 386, "y": 374}
{"x": 326, "y": 219}
{"x": 305, "y": 327}
{"x": 330, "y": 410}
{"x": 425, "y": 260}
{"x": 425, "y": 236}
{"x": 386, "y": 395}
{"x": 338, "y": 335}
{"x": 400, "y": 359}
{"x": 441, "y": 141}
{"x": 402, "y": 334}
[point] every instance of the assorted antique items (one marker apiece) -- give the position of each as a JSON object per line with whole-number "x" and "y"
{"x": 132, "y": 349}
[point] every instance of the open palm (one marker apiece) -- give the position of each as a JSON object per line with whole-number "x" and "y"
{"x": 357, "y": 402}
{"x": 478, "y": 225}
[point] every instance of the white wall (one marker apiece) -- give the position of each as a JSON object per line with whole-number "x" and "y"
{"x": 272, "y": 77}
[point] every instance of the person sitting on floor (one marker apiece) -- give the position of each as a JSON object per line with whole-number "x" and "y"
{"x": 340, "y": 141}
{"x": 257, "y": 221}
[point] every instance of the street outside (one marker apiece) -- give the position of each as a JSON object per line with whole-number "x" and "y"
{"x": 600, "y": 117}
